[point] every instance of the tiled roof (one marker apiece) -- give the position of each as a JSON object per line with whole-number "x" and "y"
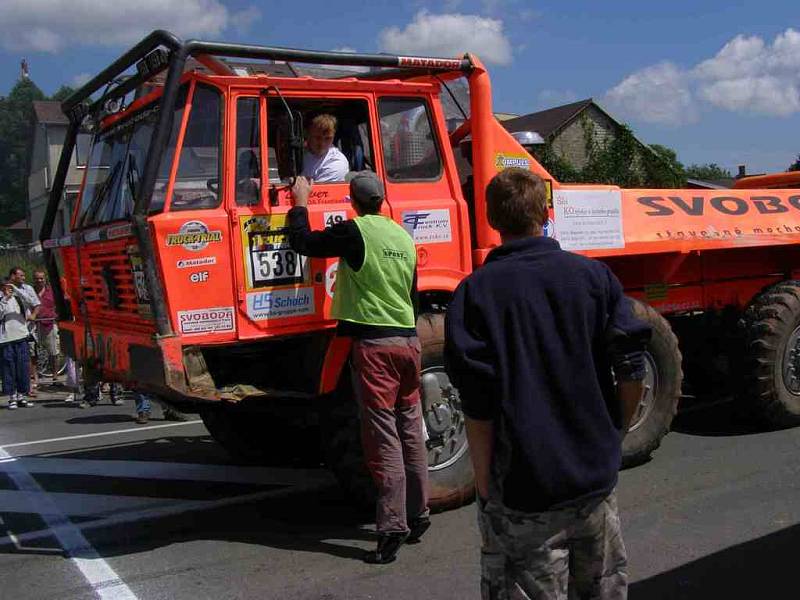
{"x": 547, "y": 122}
{"x": 49, "y": 111}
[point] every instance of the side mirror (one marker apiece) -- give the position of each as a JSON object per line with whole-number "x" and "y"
{"x": 295, "y": 142}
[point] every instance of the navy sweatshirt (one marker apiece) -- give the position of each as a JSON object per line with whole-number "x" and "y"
{"x": 531, "y": 339}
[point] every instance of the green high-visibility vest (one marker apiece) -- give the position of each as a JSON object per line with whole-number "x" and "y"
{"x": 379, "y": 293}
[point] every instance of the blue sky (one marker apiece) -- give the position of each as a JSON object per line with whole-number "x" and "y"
{"x": 719, "y": 81}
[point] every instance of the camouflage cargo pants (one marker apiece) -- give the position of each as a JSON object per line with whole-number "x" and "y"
{"x": 574, "y": 553}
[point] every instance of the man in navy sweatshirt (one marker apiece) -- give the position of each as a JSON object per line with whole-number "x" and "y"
{"x": 531, "y": 340}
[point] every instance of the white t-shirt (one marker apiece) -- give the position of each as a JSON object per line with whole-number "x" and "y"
{"x": 330, "y": 167}
{"x": 13, "y": 322}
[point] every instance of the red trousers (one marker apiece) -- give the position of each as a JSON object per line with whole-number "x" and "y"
{"x": 386, "y": 378}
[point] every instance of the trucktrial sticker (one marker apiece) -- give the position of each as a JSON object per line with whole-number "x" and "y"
{"x": 280, "y": 304}
{"x": 330, "y": 278}
{"x": 505, "y": 160}
{"x": 333, "y": 217}
{"x": 428, "y": 226}
{"x": 589, "y": 219}
{"x": 194, "y": 236}
{"x": 188, "y": 263}
{"x": 206, "y": 320}
{"x": 269, "y": 261}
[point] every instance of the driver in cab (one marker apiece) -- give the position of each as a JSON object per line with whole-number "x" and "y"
{"x": 323, "y": 162}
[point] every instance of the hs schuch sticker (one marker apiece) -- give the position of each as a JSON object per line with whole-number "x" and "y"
{"x": 428, "y": 226}
{"x": 280, "y": 304}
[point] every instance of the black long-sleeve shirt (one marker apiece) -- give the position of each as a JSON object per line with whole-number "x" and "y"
{"x": 344, "y": 240}
{"x": 531, "y": 339}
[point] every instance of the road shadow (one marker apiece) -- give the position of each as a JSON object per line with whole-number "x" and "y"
{"x": 715, "y": 418}
{"x": 317, "y": 517}
{"x": 101, "y": 419}
{"x": 761, "y": 568}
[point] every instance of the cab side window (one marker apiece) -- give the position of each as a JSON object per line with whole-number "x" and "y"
{"x": 198, "y": 178}
{"x": 410, "y": 151}
{"x": 248, "y": 152}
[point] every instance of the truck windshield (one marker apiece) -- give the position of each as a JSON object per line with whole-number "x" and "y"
{"x": 116, "y": 164}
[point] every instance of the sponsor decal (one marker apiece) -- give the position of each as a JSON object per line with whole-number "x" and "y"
{"x": 330, "y": 278}
{"x": 431, "y": 63}
{"x": 505, "y": 160}
{"x": 269, "y": 261}
{"x": 199, "y": 277}
{"x": 206, "y": 320}
{"x": 139, "y": 282}
{"x": 188, "y": 263}
{"x": 589, "y": 219}
{"x": 118, "y": 231}
{"x": 428, "y": 226}
{"x": 332, "y": 218}
{"x": 549, "y": 229}
{"x": 280, "y": 304}
{"x": 661, "y": 206}
{"x": 194, "y": 236}
{"x": 393, "y": 254}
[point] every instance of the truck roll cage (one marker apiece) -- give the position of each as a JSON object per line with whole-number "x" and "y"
{"x": 162, "y": 50}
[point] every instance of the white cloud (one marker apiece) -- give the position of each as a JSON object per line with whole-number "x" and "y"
{"x": 243, "y": 21}
{"x": 657, "y": 94}
{"x": 51, "y": 25}
{"x": 747, "y": 75}
{"x": 449, "y": 35}
{"x": 344, "y": 49}
{"x": 80, "y": 79}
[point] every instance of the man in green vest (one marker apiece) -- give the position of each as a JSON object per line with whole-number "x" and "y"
{"x": 375, "y": 304}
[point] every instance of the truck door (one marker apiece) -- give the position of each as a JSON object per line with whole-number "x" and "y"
{"x": 192, "y": 233}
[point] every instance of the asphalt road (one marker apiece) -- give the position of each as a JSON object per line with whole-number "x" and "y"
{"x": 93, "y": 505}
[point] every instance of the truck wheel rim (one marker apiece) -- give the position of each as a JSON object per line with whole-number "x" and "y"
{"x": 791, "y": 363}
{"x": 445, "y": 430}
{"x": 649, "y": 397}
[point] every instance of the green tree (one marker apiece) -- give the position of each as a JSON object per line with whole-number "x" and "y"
{"x": 63, "y": 93}
{"x": 16, "y": 134}
{"x": 708, "y": 172}
{"x": 795, "y": 166}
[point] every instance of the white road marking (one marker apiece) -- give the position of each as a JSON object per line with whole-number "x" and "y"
{"x": 18, "y": 545}
{"x": 98, "y": 573}
{"x": 137, "y": 469}
{"x": 102, "y": 433}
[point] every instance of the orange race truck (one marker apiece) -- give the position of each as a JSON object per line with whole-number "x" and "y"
{"x": 180, "y": 280}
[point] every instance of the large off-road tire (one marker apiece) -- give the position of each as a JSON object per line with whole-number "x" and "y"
{"x": 261, "y": 437}
{"x": 450, "y": 474}
{"x": 653, "y": 417}
{"x": 770, "y": 326}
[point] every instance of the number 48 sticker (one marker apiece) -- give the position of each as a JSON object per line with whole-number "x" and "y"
{"x": 337, "y": 216}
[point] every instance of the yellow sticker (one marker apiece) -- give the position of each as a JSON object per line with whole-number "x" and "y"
{"x": 268, "y": 259}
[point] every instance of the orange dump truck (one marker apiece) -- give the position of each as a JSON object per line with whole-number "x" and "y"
{"x": 181, "y": 281}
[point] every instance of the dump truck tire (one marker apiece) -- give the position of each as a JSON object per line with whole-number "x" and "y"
{"x": 770, "y": 391}
{"x": 662, "y": 392}
{"x": 450, "y": 476}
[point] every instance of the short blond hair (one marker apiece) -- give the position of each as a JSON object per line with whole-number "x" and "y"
{"x": 324, "y": 122}
{"x": 516, "y": 202}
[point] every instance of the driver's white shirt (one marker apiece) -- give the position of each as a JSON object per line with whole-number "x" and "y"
{"x": 331, "y": 166}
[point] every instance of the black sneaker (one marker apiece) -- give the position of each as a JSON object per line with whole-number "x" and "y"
{"x": 386, "y": 552}
{"x": 418, "y": 528}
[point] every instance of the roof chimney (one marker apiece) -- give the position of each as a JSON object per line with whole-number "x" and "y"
{"x": 742, "y": 171}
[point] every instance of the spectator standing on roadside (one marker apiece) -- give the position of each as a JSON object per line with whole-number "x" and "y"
{"x": 17, "y": 277}
{"x": 375, "y": 304}
{"x": 46, "y": 329}
{"x": 531, "y": 339}
{"x": 14, "y": 359}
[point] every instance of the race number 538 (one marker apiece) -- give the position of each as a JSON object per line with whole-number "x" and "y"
{"x": 277, "y": 266}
